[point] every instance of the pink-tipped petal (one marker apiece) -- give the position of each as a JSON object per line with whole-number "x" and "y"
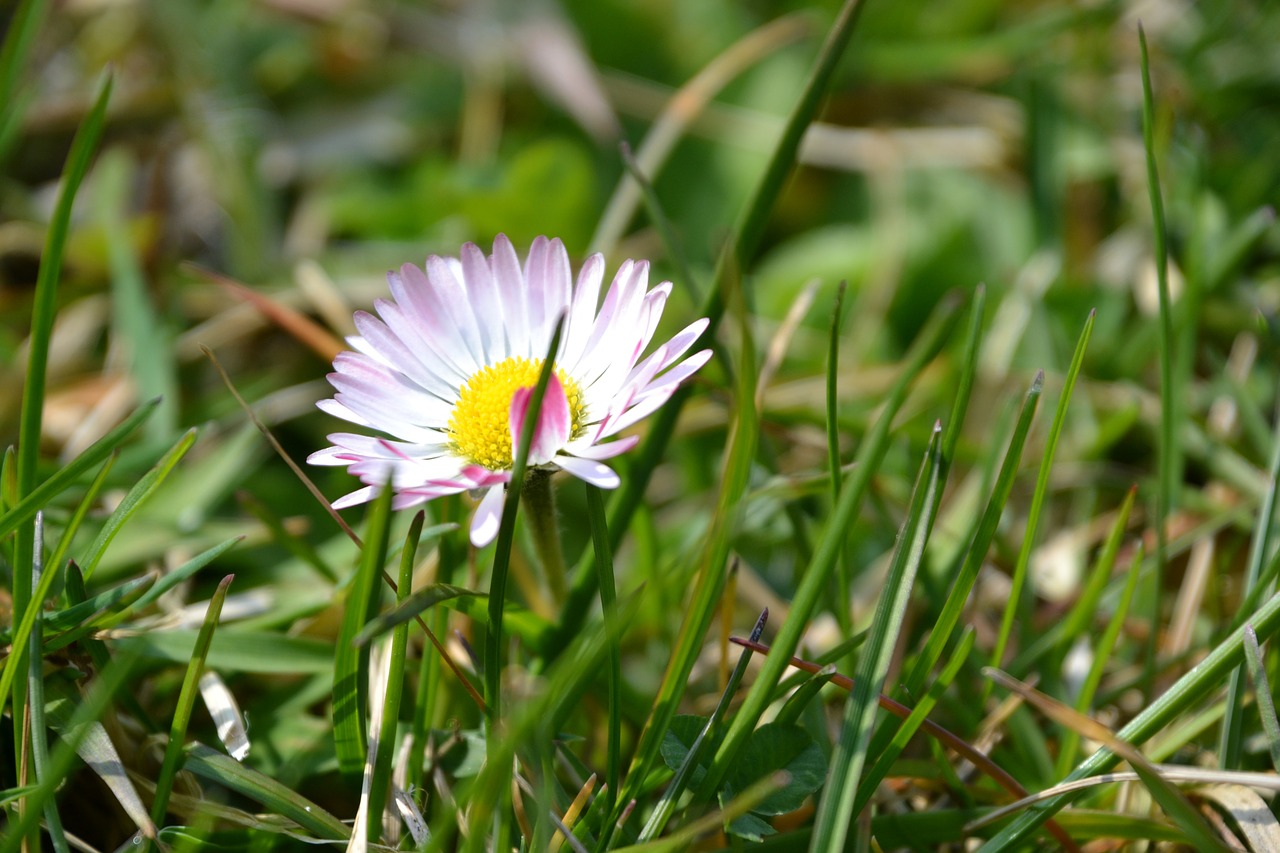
{"x": 488, "y": 517}
{"x": 608, "y": 450}
{"x": 554, "y": 421}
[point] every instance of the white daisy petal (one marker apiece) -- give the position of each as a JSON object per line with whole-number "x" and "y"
{"x": 484, "y": 526}
{"x": 445, "y": 371}
{"x": 593, "y": 472}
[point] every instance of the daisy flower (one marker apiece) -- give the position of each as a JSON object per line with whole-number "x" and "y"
{"x": 447, "y": 368}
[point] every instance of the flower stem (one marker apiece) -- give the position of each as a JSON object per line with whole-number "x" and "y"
{"x": 540, "y": 502}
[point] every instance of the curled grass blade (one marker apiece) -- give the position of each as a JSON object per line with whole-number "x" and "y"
{"x": 835, "y": 808}
{"x": 1038, "y": 496}
{"x": 351, "y": 662}
{"x": 187, "y": 695}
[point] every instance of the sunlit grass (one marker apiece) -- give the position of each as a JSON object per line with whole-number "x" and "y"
{"x": 979, "y": 621}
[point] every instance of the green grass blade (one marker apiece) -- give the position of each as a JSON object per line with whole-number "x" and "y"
{"x": 684, "y": 773}
{"x": 742, "y": 247}
{"x": 884, "y": 761}
{"x": 1101, "y": 654}
{"x": 35, "y": 689}
{"x": 409, "y": 607}
{"x": 817, "y": 576}
{"x": 141, "y": 490}
{"x": 1169, "y": 450}
{"x": 712, "y": 566}
{"x": 1231, "y": 741}
{"x": 26, "y": 508}
{"x": 218, "y": 767}
{"x": 174, "y": 752}
{"x": 1207, "y": 676}
{"x": 835, "y": 808}
{"x": 380, "y": 772}
{"x": 1262, "y": 694}
{"x": 1038, "y": 497}
{"x": 609, "y": 604}
{"x": 1062, "y": 633}
{"x": 21, "y": 30}
{"x": 99, "y": 695}
{"x": 507, "y": 529}
{"x": 957, "y": 598}
{"x": 351, "y": 662}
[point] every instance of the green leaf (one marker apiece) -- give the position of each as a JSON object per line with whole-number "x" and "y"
{"x": 773, "y": 747}
{"x": 749, "y": 826}
{"x": 679, "y": 738}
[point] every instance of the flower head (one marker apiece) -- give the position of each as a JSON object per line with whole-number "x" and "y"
{"x": 448, "y": 366}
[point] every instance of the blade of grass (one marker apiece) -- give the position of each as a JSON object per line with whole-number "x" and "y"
{"x": 1173, "y": 801}
{"x": 141, "y": 490}
{"x": 187, "y": 695}
{"x": 844, "y": 565}
{"x": 506, "y": 531}
{"x": 97, "y": 698}
{"x": 1262, "y": 693}
{"x": 381, "y": 770}
{"x": 35, "y": 689}
{"x": 218, "y": 767}
{"x": 835, "y": 807}
{"x": 25, "y": 509}
{"x": 1208, "y": 675}
{"x": 351, "y": 662}
{"x": 684, "y": 774}
{"x": 609, "y": 604}
{"x": 737, "y": 254}
{"x": 885, "y": 759}
{"x": 23, "y": 26}
{"x": 957, "y": 598}
{"x": 712, "y": 563}
{"x": 44, "y": 307}
{"x": 817, "y": 576}
{"x": 1059, "y": 635}
{"x": 1014, "y": 606}
{"x": 1230, "y": 746}
{"x": 1170, "y": 456}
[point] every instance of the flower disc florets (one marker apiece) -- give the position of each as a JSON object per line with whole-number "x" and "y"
{"x": 446, "y": 372}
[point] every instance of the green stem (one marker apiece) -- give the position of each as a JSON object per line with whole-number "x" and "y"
{"x": 540, "y": 503}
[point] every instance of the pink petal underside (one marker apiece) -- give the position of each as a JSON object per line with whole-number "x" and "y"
{"x": 592, "y": 472}
{"x": 488, "y": 517}
{"x": 554, "y": 421}
{"x": 511, "y": 290}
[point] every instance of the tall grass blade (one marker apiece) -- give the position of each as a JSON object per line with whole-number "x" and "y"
{"x": 1262, "y": 693}
{"x": 1038, "y": 497}
{"x": 817, "y": 575}
{"x": 187, "y": 695}
{"x": 351, "y": 662}
{"x": 1171, "y": 407}
{"x": 609, "y": 604}
{"x": 735, "y": 257}
{"x": 835, "y": 808}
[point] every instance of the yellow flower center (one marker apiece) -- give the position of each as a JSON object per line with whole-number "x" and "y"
{"x": 479, "y": 427}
